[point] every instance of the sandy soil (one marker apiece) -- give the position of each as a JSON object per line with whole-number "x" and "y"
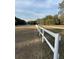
{"x": 45, "y": 26}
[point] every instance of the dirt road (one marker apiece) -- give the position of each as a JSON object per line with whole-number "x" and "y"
{"x": 29, "y": 45}
{"x": 53, "y": 26}
{"x": 45, "y": 26}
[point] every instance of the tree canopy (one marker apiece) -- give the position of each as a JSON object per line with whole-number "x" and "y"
{"x": 61, "y": 12}
{"x": 49, "y": 20}
{"x": 57, "y": 19}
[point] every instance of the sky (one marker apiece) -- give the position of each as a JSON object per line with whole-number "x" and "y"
{"x": 34, "y": 9}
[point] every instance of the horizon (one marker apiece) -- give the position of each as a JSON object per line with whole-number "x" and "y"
{"x": 34, "y": 9}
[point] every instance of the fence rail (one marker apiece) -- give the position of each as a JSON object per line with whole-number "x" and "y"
{"x": 57, "y": 37}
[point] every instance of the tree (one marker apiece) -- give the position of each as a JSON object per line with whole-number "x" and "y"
{"x": 18, "y": 21}
{"x": 56, "y": 20}
{"x": 61, "y": 12}
{"x": 61, "y": 7}
{"x": 32, "y": 22}
{"x": 48, "y": 20}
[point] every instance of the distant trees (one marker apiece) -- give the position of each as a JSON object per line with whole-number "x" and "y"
{"x": 49, "y": 20}
{"x": 18, "y": 21}
{"x": 46, "y": 20}
{"x": 57, "y": 19}
{"x": 32, "y": 22}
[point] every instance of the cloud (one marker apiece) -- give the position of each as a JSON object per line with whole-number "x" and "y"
{"x": 35, "y": 8}
{"x": 36, "y": 3}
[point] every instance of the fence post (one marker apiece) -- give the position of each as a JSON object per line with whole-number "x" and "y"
{"x": 56, "y": 45}
{"x": 42, "y": 35}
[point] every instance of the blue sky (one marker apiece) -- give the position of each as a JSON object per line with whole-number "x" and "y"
{"x": 33, "y": 9}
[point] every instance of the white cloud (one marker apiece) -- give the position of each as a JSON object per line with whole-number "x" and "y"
{"x": 34, "y": 3}
{"x": 46, "y": 4}
{"x": 27, "y": 7}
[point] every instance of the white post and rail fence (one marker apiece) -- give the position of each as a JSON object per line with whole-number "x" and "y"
{"x": 57, "y": 37}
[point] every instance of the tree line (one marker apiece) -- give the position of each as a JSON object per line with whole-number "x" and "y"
{"x": 57, "y": 19}
{"x": 19, "y": 21}
{"x": 50, "y": 20}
